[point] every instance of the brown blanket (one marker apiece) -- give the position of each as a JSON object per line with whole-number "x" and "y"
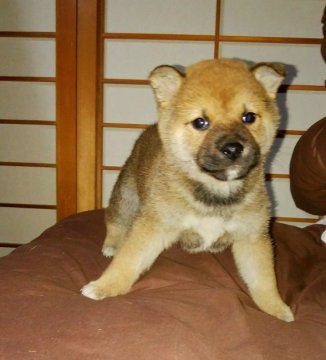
{"x": 186, "y": 307}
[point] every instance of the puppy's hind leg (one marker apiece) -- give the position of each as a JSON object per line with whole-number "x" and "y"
{"x": 120, "y": 213}
{"x": 254, "y": 260}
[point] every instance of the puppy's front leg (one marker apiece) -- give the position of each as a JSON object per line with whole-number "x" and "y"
{"x": 254, "y": 260}
{"x": 145, "y": 241}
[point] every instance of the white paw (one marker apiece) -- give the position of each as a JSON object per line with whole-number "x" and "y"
{"x": 288, "y": 316}
{"x": 323, "y": 237}
{"x": 109, "y": 251}
{"x": 89, "y": 291}
{"x": 322, "y": 221}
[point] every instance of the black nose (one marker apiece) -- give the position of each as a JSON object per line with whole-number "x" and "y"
{"x": 232, "y": 150}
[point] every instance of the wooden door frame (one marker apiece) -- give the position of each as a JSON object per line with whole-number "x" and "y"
{"x": 66, "y": 112}
{"x": 76, "y": 104}
{"x": 88, "y": 40}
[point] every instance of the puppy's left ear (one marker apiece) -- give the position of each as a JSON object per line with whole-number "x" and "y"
{"x": 166, "y": 81}
{"x": 270, "y": 76}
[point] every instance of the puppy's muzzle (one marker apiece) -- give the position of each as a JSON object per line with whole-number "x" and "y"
{"x": 228, "y": 156}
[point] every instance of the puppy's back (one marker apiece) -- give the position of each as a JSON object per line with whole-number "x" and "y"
{"x": 144, "y": 160}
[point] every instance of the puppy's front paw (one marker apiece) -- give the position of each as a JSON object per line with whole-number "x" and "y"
{"x": 109, "y": 251}
{"x": 285, "y": 314}
{"x": 102, "y": 288}
{"x": 280, "y": 310}
{"x": 274, "y": 305}
{"x": 92, "y": 291}
{"x": 323, "y": 236}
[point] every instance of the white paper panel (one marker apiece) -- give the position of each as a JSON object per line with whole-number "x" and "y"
{"x": 281, "y": 153}
{"x": 300, "y": 56}
{"x": 285, "y": 18}
{"x": 117, "y": 145}
{"x": 296, "y": 224}
{"x": 283, "y": 204}
{"x": 27, "y": 57}
{"x": 5, "y": 251}
{"x": 27, "y": 100}
{"x": 301, "y": 109}
{"x": 136, "y": 59}
{"x": 27, "y": 15}
{"x": 109, "y": 179}
{"x": 23, "y": 225}
{"x": 27, "y": 143}
{"x": 129, "y": 104}
{"x": 27, "y": 185}
{"x": 155, "y": 16}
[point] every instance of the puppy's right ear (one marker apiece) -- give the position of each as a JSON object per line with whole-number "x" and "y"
{"x": 166, "y": 82}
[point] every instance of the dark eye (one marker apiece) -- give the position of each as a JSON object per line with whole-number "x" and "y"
{"x": 200, "y": 124}
{"x": 248, "y": 117}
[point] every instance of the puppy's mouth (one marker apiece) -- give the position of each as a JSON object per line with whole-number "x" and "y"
{"x": 235, "y": 172}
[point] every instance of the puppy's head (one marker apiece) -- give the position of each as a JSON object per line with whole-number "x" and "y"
{"x": 219, "y": 119}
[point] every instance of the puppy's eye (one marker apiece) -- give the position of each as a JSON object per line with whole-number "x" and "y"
{"x": 248, "y": 117}
{"x": 200, "y": 124}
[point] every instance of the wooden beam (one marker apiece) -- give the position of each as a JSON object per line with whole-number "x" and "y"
{"x": 10, "y": 245}
{"x": 28, "y": 206}
{"x": 164, "y": 37}
{"x": 294, "y": 219}
{"x": 214, "y": 38}
{"x": 28, "y": 34}
{"x": 99, "y": 132}
{"x": 27, "y": 164}
{"x": 86, "y": 103}
{"x": 27, "y": 122}
{"x": 217, "y": 29}
{"x": 66, "y": 95}
{"x": 28, "y": 78}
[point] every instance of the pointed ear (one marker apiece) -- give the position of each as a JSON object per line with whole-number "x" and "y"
{"x": 270, "y": 76}
{"x": 165, "y": 81}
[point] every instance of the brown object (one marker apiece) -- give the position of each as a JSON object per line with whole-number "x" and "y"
{"x": 323, "y": 44}
{"x": 186, "y": 307}
{"x": 308, "y": 170}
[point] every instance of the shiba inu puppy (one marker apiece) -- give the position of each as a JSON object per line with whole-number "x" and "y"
{"x": 197, "y": 177}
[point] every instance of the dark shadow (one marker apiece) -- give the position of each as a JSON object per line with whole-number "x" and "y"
{"x": 284, "y": 114}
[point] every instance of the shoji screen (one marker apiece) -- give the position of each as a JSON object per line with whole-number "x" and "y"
{"x": 138, "y": 35}
{"x": 27, "y": 120}
{"x": 286, "y": 31}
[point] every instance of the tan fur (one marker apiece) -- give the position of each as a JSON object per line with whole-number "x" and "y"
{"x": 183, "y": 184}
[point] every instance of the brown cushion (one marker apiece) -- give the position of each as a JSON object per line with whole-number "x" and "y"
{"x": 185, "y": 307}
{"x": 308, "y": 170}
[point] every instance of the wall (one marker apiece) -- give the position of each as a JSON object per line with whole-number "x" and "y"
{"x": 27, "y": 120}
